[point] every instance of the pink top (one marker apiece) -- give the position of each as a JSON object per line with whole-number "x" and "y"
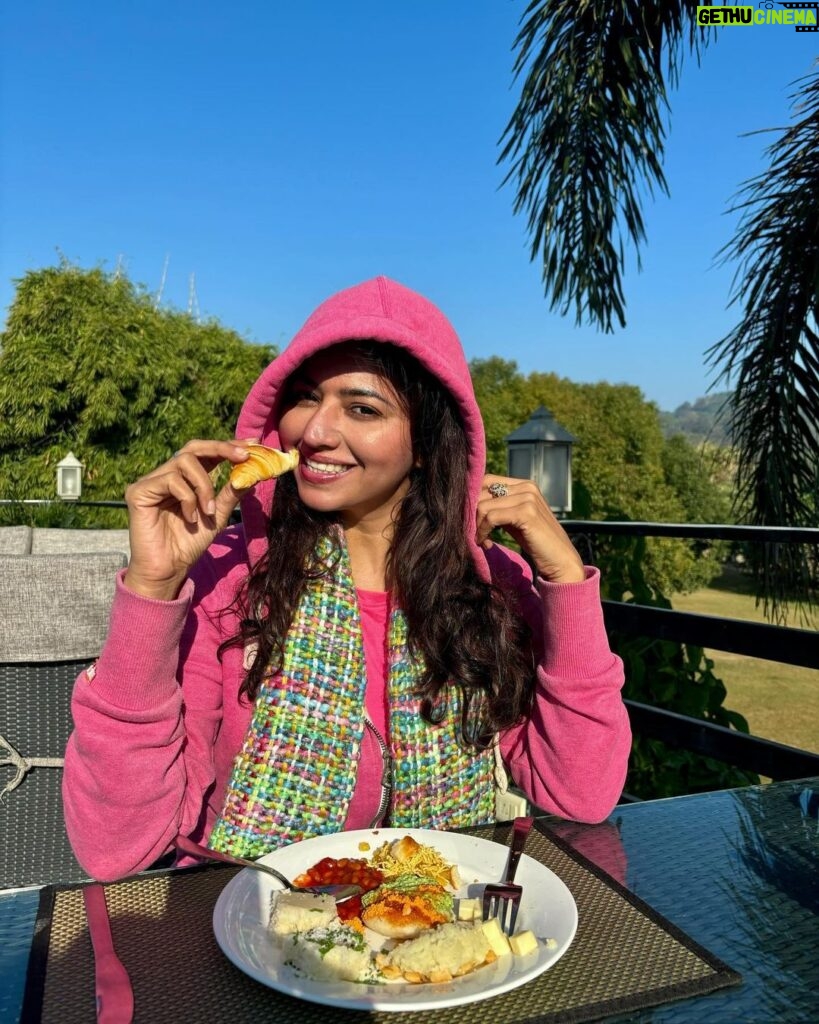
{"x": 158, "y": 721}
{"x": 374, "y": 606}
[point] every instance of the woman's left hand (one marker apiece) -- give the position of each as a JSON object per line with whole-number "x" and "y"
{"x": 524, "y": 514}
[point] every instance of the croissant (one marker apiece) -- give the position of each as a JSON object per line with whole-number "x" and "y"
{"x": 262, "y": 464}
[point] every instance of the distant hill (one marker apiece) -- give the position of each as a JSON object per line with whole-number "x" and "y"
{"x": 700, "y": 420}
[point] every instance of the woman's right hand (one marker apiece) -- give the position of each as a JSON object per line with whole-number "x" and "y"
{"x": 174, "y": 515}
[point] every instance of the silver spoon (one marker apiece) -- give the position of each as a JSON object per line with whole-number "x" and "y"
{"x": 339, "y": 892}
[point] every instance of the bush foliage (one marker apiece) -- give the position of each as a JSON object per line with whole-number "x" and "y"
{"x": 665, "y": 674}
{"x": 88, "y": 364}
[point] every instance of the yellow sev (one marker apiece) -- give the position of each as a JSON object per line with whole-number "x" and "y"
{"x": 423, "y": 860}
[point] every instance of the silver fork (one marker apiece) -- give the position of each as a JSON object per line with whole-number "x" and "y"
{"x": 502, "y": 900}
{"x": 341, "y": 893}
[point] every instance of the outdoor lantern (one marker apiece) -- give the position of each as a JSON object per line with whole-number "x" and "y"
{"x": 69, "y": 478}
{"x": 541, "y": 450}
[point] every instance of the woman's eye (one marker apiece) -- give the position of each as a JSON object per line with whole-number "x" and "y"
{"x": 363, "y": 410}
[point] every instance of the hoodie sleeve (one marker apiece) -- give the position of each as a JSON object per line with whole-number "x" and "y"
{"x": 140, "y": 760}
{"x": 570, "y": 756}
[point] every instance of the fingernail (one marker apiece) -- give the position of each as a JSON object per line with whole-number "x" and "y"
{"x": 211, "y": 507}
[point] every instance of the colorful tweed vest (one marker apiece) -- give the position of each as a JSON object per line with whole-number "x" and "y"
{"x": 296, "y": 771}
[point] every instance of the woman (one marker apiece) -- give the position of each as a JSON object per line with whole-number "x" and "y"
{"x": 358, "y": 651}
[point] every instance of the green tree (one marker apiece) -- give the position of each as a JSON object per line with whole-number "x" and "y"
{"x": 617, "y": 468}
{"x": 694, "y": 473}
{"x": 586, "y": 137}
{"x": 618, "y": 458}
{"x": 773, "y": 351}
{"x": 500, "y": 390}
{"x": 88, "y": 364}
{"x": 666, "y": 674}
{"x": 587, "y": 132}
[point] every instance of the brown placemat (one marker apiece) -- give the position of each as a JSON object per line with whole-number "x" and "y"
{"x": 624, "y": 957}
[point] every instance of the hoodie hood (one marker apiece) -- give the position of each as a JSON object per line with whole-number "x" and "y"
{"x": 378, "y": 310}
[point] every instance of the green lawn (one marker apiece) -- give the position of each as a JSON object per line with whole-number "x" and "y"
{"x": 781, "y": 702}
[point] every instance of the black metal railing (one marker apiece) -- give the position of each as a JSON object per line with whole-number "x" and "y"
{"x": 787, "y": 645}
{"x": 782, "y": 644}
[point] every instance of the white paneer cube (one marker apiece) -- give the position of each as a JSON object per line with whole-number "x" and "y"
{"x": 495, "y": 937}
{"x": 523, "y": 943}
{"x": 469, "y": 909}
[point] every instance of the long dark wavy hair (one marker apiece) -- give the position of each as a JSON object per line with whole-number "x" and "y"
{"x": 466, "y": 632}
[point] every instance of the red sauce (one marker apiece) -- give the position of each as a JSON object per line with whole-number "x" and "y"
{"x": 344, "y": 871}
{"x": 349, "y": 908}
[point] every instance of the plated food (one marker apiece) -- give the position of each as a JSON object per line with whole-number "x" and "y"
{"x": 440, "y": 954}
{"x": 408, "y": 925}
{"x": 406, "y": 854}
{"x": 262, "y": 463}
{"x": 406, "y": 905}
{"x": 241, "y": 920}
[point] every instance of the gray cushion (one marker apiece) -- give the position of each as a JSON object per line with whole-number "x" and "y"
{"x": 47, "y": 540}
{"x": 15, "y": 540}
{"x": 56, "y": 607}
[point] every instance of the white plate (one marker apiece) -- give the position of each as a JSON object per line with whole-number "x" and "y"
{"x": 242, "y": 910}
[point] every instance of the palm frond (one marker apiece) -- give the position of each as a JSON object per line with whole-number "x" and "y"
{"x": 587, "y": 133}
{"x": 773, "y": 351}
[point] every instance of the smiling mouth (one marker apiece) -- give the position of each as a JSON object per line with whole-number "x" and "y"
{"x": 328, "y": 468}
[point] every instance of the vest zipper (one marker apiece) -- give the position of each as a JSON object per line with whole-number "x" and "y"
{"x": 386, "y": 775}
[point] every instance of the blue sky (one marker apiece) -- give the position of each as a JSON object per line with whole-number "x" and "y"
{"x": 279, "y": 152}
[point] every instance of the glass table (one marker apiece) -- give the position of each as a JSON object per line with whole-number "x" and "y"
{"x": 737, "y": 871}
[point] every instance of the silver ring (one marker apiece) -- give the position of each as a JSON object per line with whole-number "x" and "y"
{"x": 176, "y": 454}
{"x": 498, "y": 490}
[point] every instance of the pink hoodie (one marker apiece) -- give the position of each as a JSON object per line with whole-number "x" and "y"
{"x": 157, "y": 718}
{"x": 381, "y": 310}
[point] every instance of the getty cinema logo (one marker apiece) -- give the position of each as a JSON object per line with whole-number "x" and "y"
{"x": 803, "y": 16}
